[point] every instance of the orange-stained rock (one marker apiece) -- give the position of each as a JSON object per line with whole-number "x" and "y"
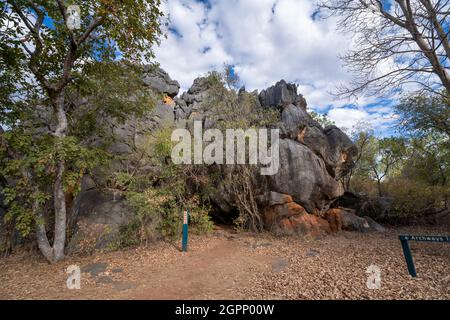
{"x": 294, "y": 209}
{"x": 273, "y": 198}
{"x": 275, "y": 213}
{"x": 287, "y": 198}
{"x": 334, "y": 218}
{"x": 301, "y": 135}
{"x": 286, "y": 224}
{"x": 169, "y": 101}
{"x": 308, "y": 224}
{"x": 292, "y": 218}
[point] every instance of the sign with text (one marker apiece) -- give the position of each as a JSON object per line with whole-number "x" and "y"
{"x": 407, "y": 250}
{"x": 426, "y": 238}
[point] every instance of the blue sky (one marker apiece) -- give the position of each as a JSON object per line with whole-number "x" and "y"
{"x": 265, "y": 41}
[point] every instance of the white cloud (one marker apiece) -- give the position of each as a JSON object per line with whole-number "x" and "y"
{"x": 266, "y": 40}
{"x": 380, "y": 120}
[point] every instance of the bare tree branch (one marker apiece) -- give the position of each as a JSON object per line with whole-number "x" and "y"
{"x": 405, "y": 42}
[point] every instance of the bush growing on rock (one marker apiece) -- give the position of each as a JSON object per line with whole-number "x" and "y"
{"x": 157, "y": 192}
{"x": 313, "y": 159}
{"x": 239, "y": 185}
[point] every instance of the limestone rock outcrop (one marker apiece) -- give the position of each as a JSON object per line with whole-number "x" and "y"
{"x": 297, "y": 199}
{"x": 159, "y": 81}
{"x": 280, "y": 95}
{"x": 283, "y": 216}
{"x": 304, "y": 176}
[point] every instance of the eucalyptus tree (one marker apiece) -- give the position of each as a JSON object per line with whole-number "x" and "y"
{"x": 45, "y": 45}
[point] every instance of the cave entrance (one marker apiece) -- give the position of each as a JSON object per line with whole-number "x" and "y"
{"x": 219, "y": 217}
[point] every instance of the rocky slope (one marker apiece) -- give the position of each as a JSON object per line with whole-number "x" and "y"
{"x": 298, "y": 197}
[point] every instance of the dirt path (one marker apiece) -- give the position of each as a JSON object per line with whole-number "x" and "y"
{"x": 213, "y": 268}
{"x": 226, "y": 265}
{"x": 214, "y": 273}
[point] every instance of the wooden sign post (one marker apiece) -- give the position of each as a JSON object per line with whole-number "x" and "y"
{"x": 185, "y": 230}
{"x": 407, "y": 250}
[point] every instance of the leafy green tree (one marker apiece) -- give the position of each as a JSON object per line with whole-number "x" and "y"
{"x": 322, "y": 119}
{"x": 426, "y": 120}
{"x": 230, "y": 76}
{"x": 382, "y": 158}
{"x": 50, "y": 56}
{"x": 423, "y": 114}
{"x": 429, "y": 161}
{"x": 362, "y": 135}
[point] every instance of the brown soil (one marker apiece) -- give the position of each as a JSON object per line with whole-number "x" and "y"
{"x": 229, "y": 265}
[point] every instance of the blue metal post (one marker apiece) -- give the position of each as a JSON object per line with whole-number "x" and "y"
{"x": 185, "y": 230}
{"x": 408, "y": 256}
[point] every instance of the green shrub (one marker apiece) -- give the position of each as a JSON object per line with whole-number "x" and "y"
{"x": 199, "y": 218}
{"x": 159, "y": 216}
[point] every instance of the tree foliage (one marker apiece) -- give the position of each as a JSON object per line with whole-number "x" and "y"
{"x": 42, "y": 58}
{"x": 424, "y": 114}
{"x": 410, "y": 173}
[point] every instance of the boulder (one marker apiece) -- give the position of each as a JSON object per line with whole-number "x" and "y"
{"x": 163, "y": 114}
{"x": 280, "y": 95}
{"x": 159, "y": 81}
{"x": 193, "y": 105}
{"x": 352, "y": 222}
{"x": 303, "y": 175}
{"x": 129, "y": 134}
{"x": 123, "y": 136}
{"x": 279, "y": 198}
{"x": 294, "y": 121}
{"x": 275, "y": 213}
{"x": 197, "y": 92}
{"x": 344, "y": 219}
{"x": 364, "y": 205}
{"x": 331, "y": 144}
{"x": 98, "y": 214}
{"x": 341, "y": 152}
{"x": 334, "y": 219}
{"x": 307, "y": 225}
{"x": 272, "y": 198}
{"x": 103, "y": 207}
{"x": 374, "y": 225}
{"x": 181, "y": 110}
{"x": 285, "y": 217}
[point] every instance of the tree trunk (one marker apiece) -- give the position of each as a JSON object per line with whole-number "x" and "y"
{"x": 41, "y": 234}
{"x": 380, "y": 194}
{"x": 60, "y": 213}
{"x": 56, "y": 252}
{"x": 430, "y": 53}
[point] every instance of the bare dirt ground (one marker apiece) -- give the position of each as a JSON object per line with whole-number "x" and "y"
{"x": 229, "y": 265}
